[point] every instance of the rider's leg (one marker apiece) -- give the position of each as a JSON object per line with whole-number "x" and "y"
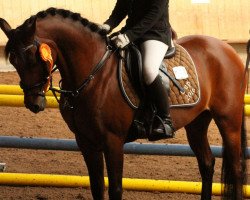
{"x": 152, "y": 55}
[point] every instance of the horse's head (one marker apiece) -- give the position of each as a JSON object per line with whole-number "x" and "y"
{"x": 31, "y": 60}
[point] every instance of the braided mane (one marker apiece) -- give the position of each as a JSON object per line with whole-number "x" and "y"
{"x": 53, "y": 12}
{"x": 66, "y": 14}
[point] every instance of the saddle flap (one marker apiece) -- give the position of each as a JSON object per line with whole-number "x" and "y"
{"x": 134, "y": 68}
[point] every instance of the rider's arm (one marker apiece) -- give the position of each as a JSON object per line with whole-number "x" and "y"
{"x": 118, "y": 14}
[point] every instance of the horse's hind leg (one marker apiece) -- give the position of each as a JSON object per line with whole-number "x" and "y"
{"x": 233, "y": 160}
{"x": 197, "y": 137}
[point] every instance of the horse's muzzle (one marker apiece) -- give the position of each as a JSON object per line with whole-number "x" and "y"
{"x": 35, "y": 105}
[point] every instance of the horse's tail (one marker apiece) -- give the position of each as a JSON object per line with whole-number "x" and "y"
{"x": 248, "y": 47}
{"x": 229, "y": 191}
{"x": 174, "y": 34}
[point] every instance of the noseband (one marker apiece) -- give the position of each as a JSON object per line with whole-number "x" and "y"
{"x": 27, "y": 89}
{"x": 45, "y": 55}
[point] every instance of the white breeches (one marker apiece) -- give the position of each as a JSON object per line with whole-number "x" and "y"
{"x": 153, "y": 53}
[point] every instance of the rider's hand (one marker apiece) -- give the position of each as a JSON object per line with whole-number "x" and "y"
{"x": 120, "y": 40}
{"x": 105, "y": 27}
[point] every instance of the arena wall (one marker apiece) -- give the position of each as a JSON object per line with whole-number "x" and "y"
{"x": 228, "y": 22}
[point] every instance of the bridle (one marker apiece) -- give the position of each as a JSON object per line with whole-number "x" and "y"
{"x": 46, "y": 84}
{"x": 45, "y": 55}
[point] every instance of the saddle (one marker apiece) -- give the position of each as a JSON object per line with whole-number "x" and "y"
{"x": 133, "y": 67}
{"x": 178, "y": 74}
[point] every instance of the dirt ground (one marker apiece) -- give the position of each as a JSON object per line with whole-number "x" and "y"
{"x": 21, "y": 122}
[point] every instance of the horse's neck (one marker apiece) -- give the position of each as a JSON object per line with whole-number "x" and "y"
{"x": 78, "y": 50}
{"x": 79, "y": 59}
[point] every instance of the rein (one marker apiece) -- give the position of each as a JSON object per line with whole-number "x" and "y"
{"x": 95, "y": 70}
{"x": 74, "y": 93}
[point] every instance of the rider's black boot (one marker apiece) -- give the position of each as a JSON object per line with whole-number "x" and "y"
{"x": 162, "y": 125}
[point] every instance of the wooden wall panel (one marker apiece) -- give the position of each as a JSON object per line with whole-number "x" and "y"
{"x": 227, "y": 20}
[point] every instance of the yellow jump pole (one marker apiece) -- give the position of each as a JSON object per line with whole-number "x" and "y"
{"x": 46, "y": 180}
{"x": 16, "y": 90}
{"x": 247, "y": 110}
{"x": 18, "y": 101}
{"x": 247, "y": 99}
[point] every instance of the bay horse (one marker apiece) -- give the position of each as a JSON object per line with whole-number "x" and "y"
{"x": 93, "y": 107}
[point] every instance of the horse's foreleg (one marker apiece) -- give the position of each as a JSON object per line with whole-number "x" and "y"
{"x": 94, "y": 162}
{"x": 114, "y": 161}
{"x": 197, "y": 137}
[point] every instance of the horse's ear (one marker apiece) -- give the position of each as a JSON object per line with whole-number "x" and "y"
{"x": 5, "y": 27}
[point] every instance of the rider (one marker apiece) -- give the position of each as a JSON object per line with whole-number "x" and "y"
{"x": 148, "y": 26}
